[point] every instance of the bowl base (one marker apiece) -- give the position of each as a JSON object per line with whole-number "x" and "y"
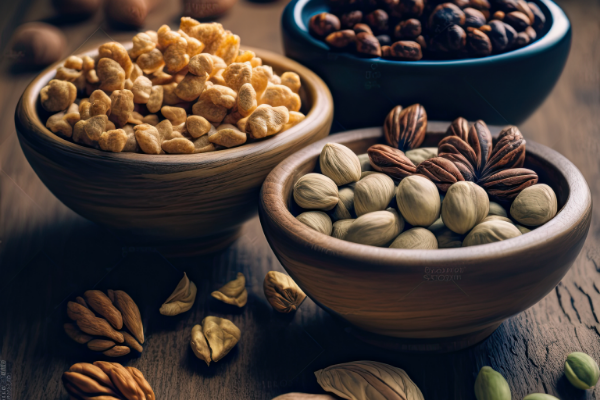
{"x": 208, "y": 245}
{"x": 423, "y": 346}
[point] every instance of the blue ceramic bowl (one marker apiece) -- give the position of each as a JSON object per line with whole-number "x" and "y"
{"x": 500, "y": 89}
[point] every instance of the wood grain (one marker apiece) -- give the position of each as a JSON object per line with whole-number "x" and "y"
{"x": 168, "y": 199}
{"x": 48, "y": 253}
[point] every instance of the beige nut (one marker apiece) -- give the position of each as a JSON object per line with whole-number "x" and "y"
{"x": 201, "y": 64}
{"x": 246, "y": 100}
{"x": 282, "y": 292}
{"x": 490, "y": 232}
{"x": 116, "y": 52}
{"x": 58, "y": 95}
{"x": 280, "y": 95}
{"x": 176, "y": 57}
{"x": 142, "y": 43}
{"x": 464, "y": 206}
{"x": 227, "y": 136}
{"x": 176, "y": 115}
{"x": 148, "y": 138}
{"x": 190, "y": 87}
{"x": 142, "y": 88}
{"x": 418, "y": 200}
{"x": 345, "y": 206}
{"x": 291, "y": 80}
{"x": 204, "y": 107}
{"x": 266, "y": 121}
{"x": 340, "y": 164}
{"x": 237, "y": 74}
{"x": 57, "y": 124}
{"x": 110, "y": 75}
{"x": 197, "y": 126}
{"x": 178, "y": 146}
{"x": 417, "y": 156}
{"x": 182, "y": 299}
{"x": 377, "y": 228}
{"x": 317, "y": 220}
{"x": 535, "y": 205}
{"x": 221, "y": 95}
{"x": 340, "y": 228}
{"x": 121, "y": 106}
{"x": 113, "y": 140}
{"x": 373, "y": 193}
{"x": 229, "y": 48}
{"x": 100, "y": 103}
{"x": 415, "y": 238}
{"x": 295, "y": 118}
{"x": 316, "y": 192}
{"x": 151, "y": 61}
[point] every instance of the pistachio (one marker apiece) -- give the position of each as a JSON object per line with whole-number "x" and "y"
{"x": 317, "y": 220}
{"x": 491, "y": 385}
{"x": 418, "y": 200}
{"x": 345, "y": 206}
{"x": 417, "y": 156}
{"x": 182, "y": 299}
{"x": 446, "y": 239}
{"x": 282, "y": 292}
{"x": 539, "y": 396}
{"x": 490, "y": 232}
{"x": 415, "y": 238}
{"x": 464, "y": 206}
{"x": 581, "y": 370}
{"x": 234, "y": 292}
{"x": 535, "y": 205}
{"x": 377, "y": 228}
{"x": 316, "y": 192}
{"x": 340, "y": 164}
{"x": 340, "y": 228}
{"x": 373, "y": 193}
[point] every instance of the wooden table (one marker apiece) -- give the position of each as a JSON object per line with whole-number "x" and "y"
{"x": 48, "y": 253}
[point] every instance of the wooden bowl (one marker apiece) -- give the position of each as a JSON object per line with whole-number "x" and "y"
{"x": 426, "y": 300}
{"x": 167, "y": 200}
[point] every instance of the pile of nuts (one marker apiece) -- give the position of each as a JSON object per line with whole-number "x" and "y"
{"x": 414, "y": 29}
{"x": 426, "y": 198}
{"x": 178, "y": 92}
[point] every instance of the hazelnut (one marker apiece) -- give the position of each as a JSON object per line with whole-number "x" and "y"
{"x": 373, "y": 193}
{"x": 474, "y": 18}
{"x": 418, "y": 200}
{"x": 415, "y": 238}
{"x": 323, "y": 24}
{"x": 341, "y": 39}
{"x": 406, "y": 50}
{"x": 368, "y": 45}
{"x": 479, "y": 43}
{"x": 378, "y": 21}
{"x": 317, "y": 220}
{"x": 445, "y": 15}
{"x": 376, "y": 229}
{"x": 358, "y": 28}
{"x": 535, "y": 205}
{"x": 316, "y": 192}
{"x": 408, "y": 30}
{"x": 340, "y": 164}
{"x": 464, "y": 206}
{"x": 517, "y": 20}
{"x": 350, "y": 19}
{"x": 490, "y": 232}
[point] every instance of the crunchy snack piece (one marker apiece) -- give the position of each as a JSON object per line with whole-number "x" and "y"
{"x": 142, "y": 43}
{"x": 244, "y": 56}
{"x": 94, "y": 127}
{"x": 169, "y": 96}
{"x": 217, "y": 78}
{"x": 178, "y": 146}
{"x": 201, "y": 64}
{"x": 99, "y": 103}
{"x": 190, "y": 87}
{"x": 160, "y": 77}
{"x": 142, "y": 87}
{"x": 72, "y": 114}
{"x": 291, "y": 80}
{"x": 57, "y": 124}
{"x": 148, "y": 138}
{"x": 260, "y": 78}
{"x": 237, "y": 74}
{"x": 74, "y": 62}
{"x": 229, "y": 48}
{"x": 165, "y": 130}
{"x": 121, "y": 106}
{"x": 84, "y": 108}
{"x": 135, "y": 118}
{"x": 197, "y": 126}
{"x": 58, "y": 95}
{"x": 203, "y": 145}
{"x": 194, "y": 46}
{"x": 151, "y": 119}
{"x": 176, "y": 57}
{"x": 110, "y": 74}
{"x": 176, "y": 115}
{"x": 67, "y": 74}
{"x": 79, "y": 135}
{"x": 114, "y": 140}
{"x": 228, "y": 135}
{"x": 166, "y": 37}
{"x": 155, "y": 100}
{"x": 295, "y": 118}
{"x": 246, "y": 101}
{"x": 221, "y": 95}
{"x": 266, "y": 121}
{"x": 280, "y": 95}
{"x": 151, "y": 61}
{"x": 211, "y": 34}
{"x": 116, "y": 52}
{"x": 207, "y": 109}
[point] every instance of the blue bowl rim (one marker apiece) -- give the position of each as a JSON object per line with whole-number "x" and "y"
{"x": 559, "y": 28}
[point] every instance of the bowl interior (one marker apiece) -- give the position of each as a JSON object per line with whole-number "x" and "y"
{"x": 547, "y": 172}
{"x": 310, "y": 93}
{"x": 305, "y": 9}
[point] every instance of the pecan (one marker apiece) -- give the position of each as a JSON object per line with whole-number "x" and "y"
{"x": 142, "y": 383}
{"x": 459, "y": 127}
{"x": 122, "y": 379}
{"x": 390, "y": 161}
{"x": 440, "y": 171}
{"x": 100, "y": 303}
{"x": 405, "y": 129}
{"x": 505, "y": 185}
{"x": 509, "y": 151}
{"x": 131, "y": 314}
{"x": 90, "y": 324}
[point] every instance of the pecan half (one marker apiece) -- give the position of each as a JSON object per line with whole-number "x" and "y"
{"x": 459, "y": 127}
{"x": 390, "y": 161}
{"x": 505, "y": 185}
{"x": 440, "y": 171}
{"x": 480, "y": 140}
{"x": 131, "y": 314}
{"x": 104, "y": 306}
{"x": 405, "y": 129}
{"x": 509, "y": 151}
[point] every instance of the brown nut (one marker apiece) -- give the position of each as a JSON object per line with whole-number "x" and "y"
{"x": 142, "y": 43}
{"x": 409, "y": 29}
{"x": 390, "y": 161}
{"x": 151, "y": 61}
{"x": 204, "y": 107}
{"x": 110, "y": 74}
{"x": 539, "y": 19}
{"x": 517, "y": 20}
{"x": 358, "y": 28}
{"x": 367, "y": 45}
{"x": 378, "y": 21}
{"x": 166, "y": 37}
{"x": 57, "y": 124}
{"x": 37, "y": 44}
{"x": 114, "y": 141}
{"x": 58, "y": 95}
{"x": 142, "y": 88}
{"x": 282, "y": 292}
{"x": 405, "y": 129}
{"x": 227, "y": 135}
{"x": 201, "y": 64}
{"x": 479, "y": 43}
{"x": 129, "y": 13}
{"x": 190, "y": 87}
{"x": 100, "y": 303}
{"x": 121, "y": 106}
{"x": 454, "y": 38}
{"x": 323, "y": 24}
{"x": 350, "y": 19}
{"x": 408, "y": 8}
{"x": 229, "y": 48}
{"x": 246, "y": 100}
{"x": 440, "y": 171}
{"x": 406, "y": 50}
{"x": 221, "y": 95}
{"x": 280, "y": 95}
{"x": 148, "y": 138}
{"x": 237, "y": 74}
{"x": 176, "y": 57}
{"x": 341, "y": 39}
{"x": 445, "y": 15}
{"x": 178, "y": 146}
{"x": 474, "y": 18}
{"x": 99, "y": 103}
{"x": 116, "y": 52}
{"x": 131, "y": 314}
{"x": 155, "y": 100}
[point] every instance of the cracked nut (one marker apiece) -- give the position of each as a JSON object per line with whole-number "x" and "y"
{"x": 214, "y": 338}
{"x": 282, "y": 292}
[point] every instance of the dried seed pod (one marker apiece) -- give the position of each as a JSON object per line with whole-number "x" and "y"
{"x": 340, "y": 164}
{"x": 348, "y": 20}
{"x": 535, "y": 205}
{"x": 490, "y": 232}
{"x": 317, "y": 220}
{"x": 378, "y": 21}
{"x": 234, "y": 292}
{"x": 100, "y": 303}
{"x": 479, "y": 43}
{"x": 323, "y": 24}
{"x": 409, "y": 29}
{"x": 282, "y": 292}
{"x": 440, "y": 171}
{"x": 58, "y": 95}
{"x": 142, "y": 383}
{"x": 90, "y": 324}
{"x": 373, "y": 193}
{"x": 367, "y": 45}
{"x": 368, "y": 380}
{"x": 405, "y": 128}
{"x": 80, "y": 384}
{"x": 131, "y": 314}
{"x": 122, "y": 379}
{"x": 517, "y": 20}
{"x": 445, "y": 15}
{"x": 509, "y": 152}
{"x": 418, "y": 200}
{"x": 341, "y": 39}
{"x": 131, "y": 342}
{"x": 182, "y": 299}
{"x": 390, "y": 161}
{"x": 465, "y": 205}
{"x": 377, "y": 228}
{"x": 359, "y": 28}
{"x": 415, "y": 238}
{"x": 406, "y": 50}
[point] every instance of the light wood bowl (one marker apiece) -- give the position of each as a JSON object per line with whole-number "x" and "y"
{"x": 168, "y": 200}
{"x": 389, "y": 297}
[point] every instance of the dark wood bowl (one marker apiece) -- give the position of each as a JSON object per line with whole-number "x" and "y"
{"x": 426, "y": 300}
{"x": 168, "y": 200}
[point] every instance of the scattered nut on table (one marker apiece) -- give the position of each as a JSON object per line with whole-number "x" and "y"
{"x": 234, "y": 292}
{"x": 214, "y": 338}
{"x": 182, "y": 299}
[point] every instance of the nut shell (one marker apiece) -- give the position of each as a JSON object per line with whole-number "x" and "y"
{"x": 316, "y": 192}
{"x": 491, "y": 231}
{"x": 282, "y": 292}
{"x": 415, "y": 238}
{"x": 373, "y": 193}
{"x": 465, "y": 205}
{"x": 377, "y": 228}
{"x": 418, "y": 200}
{"x": 405, "y": 129}
{"x": 340, "y": 164}
{"x": 535, "y": 205}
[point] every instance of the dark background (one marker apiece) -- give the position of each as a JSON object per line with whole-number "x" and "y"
{"x": 49, "y": 254}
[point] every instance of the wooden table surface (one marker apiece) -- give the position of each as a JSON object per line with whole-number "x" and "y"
{"x": 48, "y": 254}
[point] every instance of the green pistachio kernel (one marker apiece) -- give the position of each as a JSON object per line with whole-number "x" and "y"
{"x": 539, "y": 396}
{"x": 491, "y": 385}
{"x": 581, "y": 370}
